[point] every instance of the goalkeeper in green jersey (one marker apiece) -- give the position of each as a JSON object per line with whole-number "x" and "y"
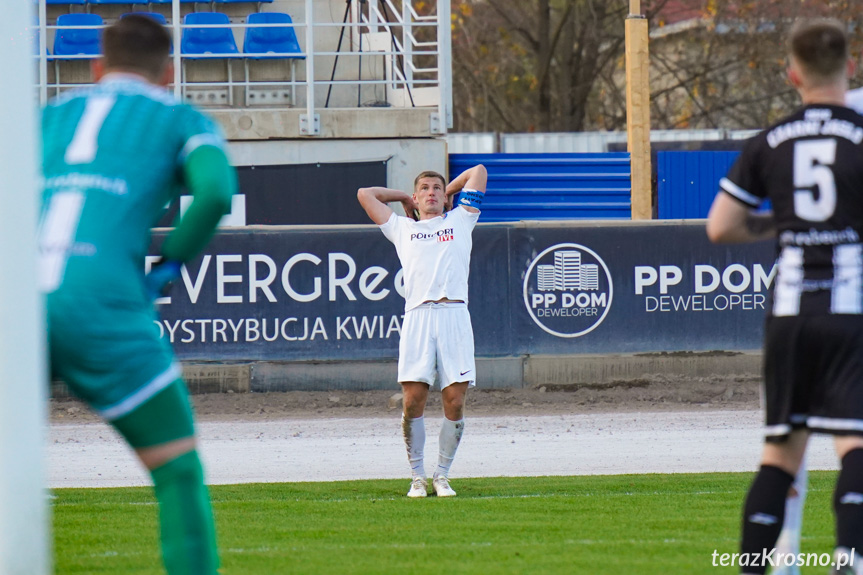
{"x": 113, "y": 156}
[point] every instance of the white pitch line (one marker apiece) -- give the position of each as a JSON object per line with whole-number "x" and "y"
{"x": 92, "y": 455}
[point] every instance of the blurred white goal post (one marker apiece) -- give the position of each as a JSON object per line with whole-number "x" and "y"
{"x": 24, "y": 523}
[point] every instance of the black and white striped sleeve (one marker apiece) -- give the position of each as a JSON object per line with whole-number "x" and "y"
{"x": 743, "y": 181}
{"x": 729, "y": 187}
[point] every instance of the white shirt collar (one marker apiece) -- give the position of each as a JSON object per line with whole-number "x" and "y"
{"x": 124, "y": 77}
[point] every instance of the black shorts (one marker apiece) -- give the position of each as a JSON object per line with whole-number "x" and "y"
{"x": 813, "y": 375}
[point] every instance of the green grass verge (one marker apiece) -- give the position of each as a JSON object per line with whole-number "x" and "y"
{"x": 645, "y": 524}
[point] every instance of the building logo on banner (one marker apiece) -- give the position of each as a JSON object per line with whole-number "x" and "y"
{"x": 567, "y": 290}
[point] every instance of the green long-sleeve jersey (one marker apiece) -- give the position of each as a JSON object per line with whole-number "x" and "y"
{"x": 113, "y": 156}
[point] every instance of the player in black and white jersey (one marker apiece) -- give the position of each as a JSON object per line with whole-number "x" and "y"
{"x": 789, "y": 539}
{"x": 810, "y": 166}
{"x": 436, "y": 338}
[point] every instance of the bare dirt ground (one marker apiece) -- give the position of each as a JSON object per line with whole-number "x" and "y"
{"x": 652, "y": 393}
{"x": 656, "y": 424}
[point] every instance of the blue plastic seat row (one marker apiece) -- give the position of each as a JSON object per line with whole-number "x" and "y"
{"x": 259, "y": 43}
{"x": 262, "y": 42}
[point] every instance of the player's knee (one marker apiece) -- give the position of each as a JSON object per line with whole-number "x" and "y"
{"x": 153, "y": 457}
{"x": 454, "y": 408}
{"x": 413, "y": 406}
{"x": 412, "y": 411}
{"x": 414, "y": 397}
{"x": 180, "y": 467}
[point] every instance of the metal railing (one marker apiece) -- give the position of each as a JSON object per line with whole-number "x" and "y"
{"x": 407, "y": 19}
{"x": 413, "y": 61}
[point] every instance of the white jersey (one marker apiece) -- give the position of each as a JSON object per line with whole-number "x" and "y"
{"x": 435, "y": 255}
{"x": 854, "y": 100}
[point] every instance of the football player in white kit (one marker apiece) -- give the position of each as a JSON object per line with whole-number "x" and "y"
{"x": 434, "y": 248}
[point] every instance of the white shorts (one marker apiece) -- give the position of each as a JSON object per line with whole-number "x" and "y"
{"x": 437, "y": 339}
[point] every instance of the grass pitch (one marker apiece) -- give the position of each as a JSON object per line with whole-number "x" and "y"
{"x": 645, "y": 524}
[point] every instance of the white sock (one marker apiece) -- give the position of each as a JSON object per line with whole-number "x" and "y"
{"x": 789, "y": 539}
{"x": 450, "y": 436}
{"x": 414, "y": 431}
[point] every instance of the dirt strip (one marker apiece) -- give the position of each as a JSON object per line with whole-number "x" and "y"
{"x": 655, "y": 425}
{"x": 652, "y": 393}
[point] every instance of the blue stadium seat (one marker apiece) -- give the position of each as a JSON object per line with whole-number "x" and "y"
{"x": 265, "y": 43}
{"x": 204, "y": 42}
{"x": 262, "y": 43}
{"x": 200, "y": 43}
{"x": 169, "y": 1}
{"x": 78, "y": 41}
{"x": 66, "y": 2}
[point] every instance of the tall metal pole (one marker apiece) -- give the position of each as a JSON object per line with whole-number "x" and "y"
{"x": 310, "y": 122}
{"x": 638, "y": 111}
{"x": 178, "y": 62}
{"x": 407, "y": 45}
{"x": 310, "y": 59}
{"x": 24, "y": 524}
{"x": 445, "y": 59}
{"x": 43, "y": 52}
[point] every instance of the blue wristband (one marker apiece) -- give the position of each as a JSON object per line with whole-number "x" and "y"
{"x": 470, "y": 198}
{"x": 158, "y": 281}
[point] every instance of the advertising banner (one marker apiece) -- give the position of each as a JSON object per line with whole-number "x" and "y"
{"x": 336, "y": 293}
{"x": 638, "y": 288}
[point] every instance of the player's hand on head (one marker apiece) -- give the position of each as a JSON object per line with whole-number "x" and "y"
{"x": 411, "y": 208}
{"x": 161, "y": 276}
{"x": 448, "y": 204}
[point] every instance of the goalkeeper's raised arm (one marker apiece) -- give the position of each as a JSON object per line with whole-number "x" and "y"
{"x": 211, "y": 180}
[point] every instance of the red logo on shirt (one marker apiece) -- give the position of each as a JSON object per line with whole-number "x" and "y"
{"x": 445, "y": 238}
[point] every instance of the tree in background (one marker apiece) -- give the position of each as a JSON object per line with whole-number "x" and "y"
{"x": 535, "y": 65}
{"x": 558, "y": 65}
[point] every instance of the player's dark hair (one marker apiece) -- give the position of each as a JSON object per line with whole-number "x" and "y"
{"x": 137, "y": 43}
{"x": 820, "y": 47}
{"x": 429, "y": 174}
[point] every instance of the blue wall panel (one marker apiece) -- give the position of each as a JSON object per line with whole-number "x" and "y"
{"x": 687, "y": 182}
{"x": 551, "y": 186}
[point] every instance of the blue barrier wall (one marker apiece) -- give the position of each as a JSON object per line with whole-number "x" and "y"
{"x": 552, "y": 186}
{"x": 289, "y": 294}
{"x": 687, "y": 182}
